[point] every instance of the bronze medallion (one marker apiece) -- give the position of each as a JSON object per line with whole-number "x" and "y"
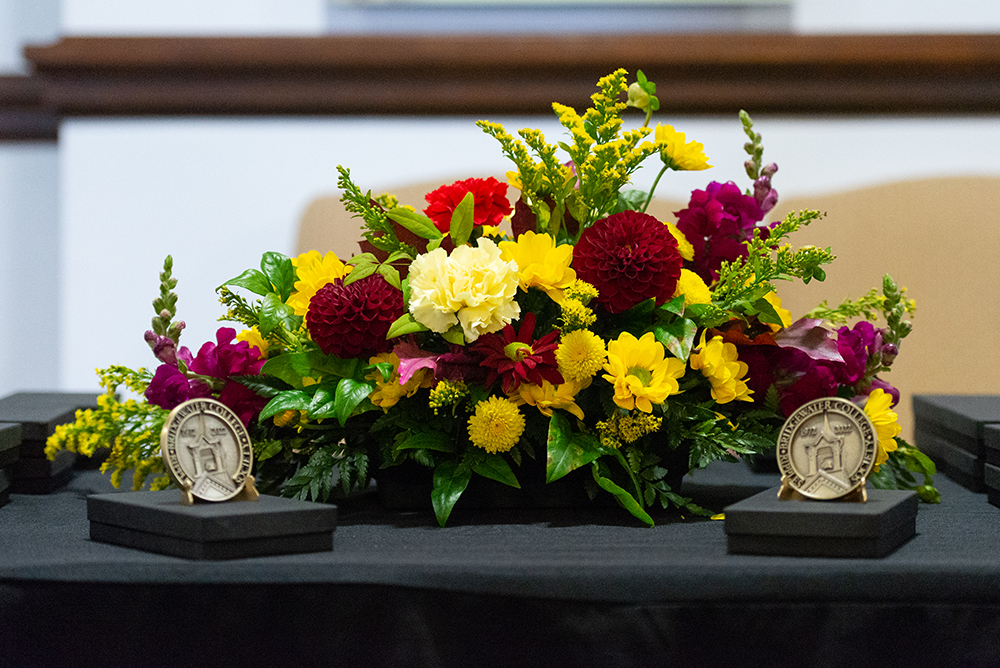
{"x": 826, "y": 449}
{"x": 206, "y": 449}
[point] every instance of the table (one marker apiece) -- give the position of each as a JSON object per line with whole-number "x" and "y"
{"x": 496, "y": 588}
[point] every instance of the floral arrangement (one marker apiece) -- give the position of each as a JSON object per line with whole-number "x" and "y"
{"x": 615, "y": 350}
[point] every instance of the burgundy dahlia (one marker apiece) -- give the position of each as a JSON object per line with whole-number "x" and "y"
{"x": 352, "y": 320}
{"x": 629, "y": 257}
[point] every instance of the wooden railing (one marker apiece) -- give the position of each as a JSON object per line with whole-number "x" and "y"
{"x": 695, "y": 74}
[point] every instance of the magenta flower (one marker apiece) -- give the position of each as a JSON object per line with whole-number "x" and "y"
{"x": 717, "y": 222}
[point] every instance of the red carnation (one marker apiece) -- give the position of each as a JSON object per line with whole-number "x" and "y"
{"x": 489, "y": 195}
{"x": 352, "y": 320}
{"x": 519, "y": 358}
{"x": 629, "y": 257}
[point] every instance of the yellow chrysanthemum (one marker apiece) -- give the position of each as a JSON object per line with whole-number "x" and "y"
{"x": 693, "y": 288}
{"x": 684, "y": 246}
{"x": 677, "y": 153}
{"x": 541, "y": 263}
{"x": 640, "y": 372}
{"x": 254, "y": 339}
{"x": 580, "y": 355}
{"x": 496, "y": 426}
{"x": 389, "y": 393}
{"x": 313, "y": 272}
{"x": 878, "y": 408}
{"x": 717, "y": 362}
{"x": 547, "y": 397}
{"x": 786, "y": 316}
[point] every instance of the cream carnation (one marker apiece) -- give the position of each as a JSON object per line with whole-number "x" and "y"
{"x": 473, "y": 287}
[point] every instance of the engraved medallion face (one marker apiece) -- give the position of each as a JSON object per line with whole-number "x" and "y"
{"x": 206, "y": 449}
{"x": 827, "y": 448}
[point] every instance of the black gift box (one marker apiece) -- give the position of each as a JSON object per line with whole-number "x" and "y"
{"x": 159, "y": 522}
{"x": 10, "y": 443}
{"x": 5, "y": 484}
{"x": 951, "y": 429}
{"x": 765, "y": 525}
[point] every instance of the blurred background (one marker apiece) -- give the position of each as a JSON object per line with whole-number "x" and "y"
{"x": 90, "y": 206}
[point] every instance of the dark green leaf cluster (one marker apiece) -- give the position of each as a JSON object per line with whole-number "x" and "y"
{"x": 902, "y": 469}
{"x": 378, "y": 230}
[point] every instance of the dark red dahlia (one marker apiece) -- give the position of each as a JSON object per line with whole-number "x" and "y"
{"x": 352, "y": 320}
{"x": 517, "y": 358}
{"x": 490, "y": 196}
{"x": 629, "y": 257}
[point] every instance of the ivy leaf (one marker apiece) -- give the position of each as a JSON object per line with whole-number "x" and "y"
{"x": 462, "y": 220}
{"x": 495, "y": 467}
{"x": 566, "y": 450}
{"x": 279, "y": 270}
{"x": 627, "y": 500}
{"x": 415, "y": 222}
{"x": 252, "y": 280}
{"x": 677, "y": 337}
{"x": 292, "y": 400}
{"x": 428, "y": 440}
{"x": 405, "y": 324}
{"x": 450, "y": 480}
{"x": 274, "y": 312}
{"x": 350, "y": 393}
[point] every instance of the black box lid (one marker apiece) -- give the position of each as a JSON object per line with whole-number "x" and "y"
{"x": 965, "y": 414}
{"x": 39, "y": 413}
{"x": 163, "y": 513}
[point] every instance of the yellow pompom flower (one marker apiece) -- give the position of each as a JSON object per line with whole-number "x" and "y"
{"x": 389, "y": 393}
{"x": 496, "y": 426}
{"x": 718, "y": 362}
{"x": 541, "y": 263}
{"x": 314, "y": 271}
{"x": 693, "y": 288}
{"x": 255, "y": 340}
{"x": 640, "y": 371}
{"x": 548, "y": 397}
{"x": 580, "y": 355}
{"x": 678, "y": 154}
{"x": 878, "y": 408}
{"x": 684, "y": 246}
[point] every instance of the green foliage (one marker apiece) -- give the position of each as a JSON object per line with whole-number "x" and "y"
{"x": 907, "y": 468}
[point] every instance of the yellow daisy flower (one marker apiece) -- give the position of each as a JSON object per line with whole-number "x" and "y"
{"x": 786, "y": 316}
{"x": 878, "y": 408}
{"x": 496, "y": 426}
{"x": 541, "y": 263}
{"x": 388, "y": 394}
{"x": 683, "y": 245}
{"x": 717, "y": 362}
{"x": 640, "y": 372}
{"x": 547, "y": 397}
{"x": 314, "y": 271}
{"x": 678, "y": 154}
{"x": 254, "y": 339}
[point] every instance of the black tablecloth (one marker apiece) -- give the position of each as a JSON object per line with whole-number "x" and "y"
{"x": 501, "y": 588}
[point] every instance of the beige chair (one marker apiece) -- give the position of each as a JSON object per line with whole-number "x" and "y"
{"x": 938, "y": 237}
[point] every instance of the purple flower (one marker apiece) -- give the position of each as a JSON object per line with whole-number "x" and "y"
{"x": 170, "y": 387}
{"x": 717, "y": 222}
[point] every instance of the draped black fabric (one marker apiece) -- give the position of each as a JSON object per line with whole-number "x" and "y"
{"x": 499, "y": 588}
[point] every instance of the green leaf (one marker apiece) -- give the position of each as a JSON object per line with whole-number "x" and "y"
{"x": 450, "y": 480}
{"x": 390, "y": 274}
{"x": 274, "y": 312}
{"x": 292, "y": 400}
{"x": 462, "y": 220}
{"x": 405, "y": 324}
{"x": 350, "y": 393}
{"x": 415, "y": 222}
{"x": 766, "y": 312}
{"x": 324, "y": 403}
{"x": 566, "y": 450}
{"x": 677, "y": 337}
{"x": 627, "y": 500}
{"x": 267, "y": 449}
{"x": 293, "y": 367}
{"x": 279, "y": 270}
{"x": 252, "y": 280}
{"x": 495, "y": 467}
{"x": 428, "y": 440}
{"x": 631, "y": 200}
{"x": 455, "y": 335}
{"x": 361, "y": 270}
{"x": 675, "y": 305}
